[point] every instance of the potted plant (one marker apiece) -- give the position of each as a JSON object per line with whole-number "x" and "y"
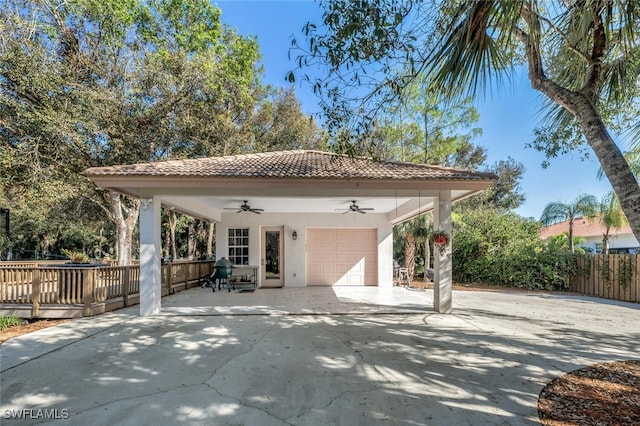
{"x": 76, "y": 256}
{"x": 441, "y": 240}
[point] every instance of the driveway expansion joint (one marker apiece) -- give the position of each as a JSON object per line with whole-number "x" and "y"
{"x": 58, "y": 348}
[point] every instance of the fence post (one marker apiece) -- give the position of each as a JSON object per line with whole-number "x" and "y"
{"x": 202, "y": 272}
{"x": 88, "y": 287}
{"x": 169, "y": 275}
{"x": 125, "y": 285}
{"x": 635, "y": 285}
{"x": 35, "y": 293}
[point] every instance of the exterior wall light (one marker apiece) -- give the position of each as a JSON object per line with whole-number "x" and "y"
{"x": 294, "y": 235}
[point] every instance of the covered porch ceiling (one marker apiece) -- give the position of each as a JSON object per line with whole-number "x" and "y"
{"x": 211, "y": 207}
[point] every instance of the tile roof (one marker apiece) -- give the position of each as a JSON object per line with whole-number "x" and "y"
{"x": 300, "y": 164}
{"x": 582, "y": 227}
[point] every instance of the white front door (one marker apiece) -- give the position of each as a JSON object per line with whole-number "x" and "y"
{"x": 271, "y": 257}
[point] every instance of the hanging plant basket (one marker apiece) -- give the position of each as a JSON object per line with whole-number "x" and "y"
{"x": 441, "y": 241}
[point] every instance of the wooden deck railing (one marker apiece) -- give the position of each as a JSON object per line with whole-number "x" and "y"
{"x": 61, "y": 291}
{"x": 613, "y": 276}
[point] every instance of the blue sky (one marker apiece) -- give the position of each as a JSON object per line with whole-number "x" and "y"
{"x": 508, "y": 117}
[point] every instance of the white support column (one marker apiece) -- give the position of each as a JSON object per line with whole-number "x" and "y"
{"x": 150, "y": 257}
{"x": 385, "y": 255}
{"x": 442, "y": 280}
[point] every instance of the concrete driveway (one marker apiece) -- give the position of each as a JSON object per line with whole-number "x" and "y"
{"x": 316, "y": 356}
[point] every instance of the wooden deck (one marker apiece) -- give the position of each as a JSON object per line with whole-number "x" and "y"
{"x": 70, "y": 291}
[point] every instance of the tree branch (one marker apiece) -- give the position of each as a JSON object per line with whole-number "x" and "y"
{"x": 594, "y": 72}
{"x": 537, "y": 76}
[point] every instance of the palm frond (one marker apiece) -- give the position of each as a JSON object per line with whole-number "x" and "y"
{"x": 584, "y": 205}
{"x": 611, "y": 214}
{"x": 619, "y": 76}
{"x": 473, "y": 52}
{"x": 554, "y": 212}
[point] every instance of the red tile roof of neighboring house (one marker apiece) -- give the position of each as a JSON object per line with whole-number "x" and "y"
{"x": 582, "y": 227}
{"x": 302, "y": 164}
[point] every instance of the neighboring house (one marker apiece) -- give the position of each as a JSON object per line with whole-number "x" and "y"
{"x": 592, "y": 232}
{"x": 303, "y": 218}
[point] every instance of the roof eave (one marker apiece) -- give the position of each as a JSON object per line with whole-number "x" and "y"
{"x": 139, "y": 184}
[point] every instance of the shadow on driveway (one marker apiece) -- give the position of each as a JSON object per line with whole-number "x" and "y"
{"x": 272, "y": 362}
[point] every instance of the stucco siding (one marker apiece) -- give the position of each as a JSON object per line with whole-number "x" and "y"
{"x": 295, "y": 251}
{"x": 615, "y": 241}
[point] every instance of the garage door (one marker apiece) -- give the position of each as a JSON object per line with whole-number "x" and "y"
{"x": 342, "y": 257}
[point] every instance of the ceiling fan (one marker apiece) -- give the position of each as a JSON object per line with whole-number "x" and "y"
{"x": 356, "y": 209}
{"x": 245, "y": 207}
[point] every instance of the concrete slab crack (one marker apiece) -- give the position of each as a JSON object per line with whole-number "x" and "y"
{"x": 251, "y": 348}
{"x": 234, "y": 356}
{"x": 330, "y": 403}
{"x": 58, "y": 348}
{"x": 359, "y": 354}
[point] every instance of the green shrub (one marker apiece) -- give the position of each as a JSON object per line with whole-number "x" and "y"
{"x": 494, "y": 247}
{"x": 9, "y": 321}
{"x": 544, "y": 270}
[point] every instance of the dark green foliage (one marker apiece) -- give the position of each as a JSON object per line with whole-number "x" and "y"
{"x": 86, "y": 84}
{"x": 581, "y": 56}
{"x": 622, "y": 275}
{"x": 505, "y": 193}
{"x": 495, "y": 247}
{"x": 626, "y": 270}
{"x": 10, "y": 321}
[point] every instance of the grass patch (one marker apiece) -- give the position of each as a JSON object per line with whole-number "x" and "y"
{"x": 9, "y": 321}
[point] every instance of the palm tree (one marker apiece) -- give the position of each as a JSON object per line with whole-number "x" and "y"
{"x": 584, "y": 205}
{"x": 425, "y": 233}
{"x": 415, "y": 232}
{"x": 407, "y": 234}
{"x": 410, "y": 254}
{"x": 581, "y": 55}
{"x": 583, "y": 59}
{"x": 421, "y": 233}
{"x": 611, "y": 216}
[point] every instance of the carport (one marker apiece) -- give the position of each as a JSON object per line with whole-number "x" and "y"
{"x": 300, "y": 218}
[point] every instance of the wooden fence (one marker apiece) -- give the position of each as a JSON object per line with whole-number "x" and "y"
{"x": 61, "y": 291}
{"x": 613, "y": 276}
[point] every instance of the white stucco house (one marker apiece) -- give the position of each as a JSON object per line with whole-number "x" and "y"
{"x": 293, "y": 214}
{"x": 621, "y": 240}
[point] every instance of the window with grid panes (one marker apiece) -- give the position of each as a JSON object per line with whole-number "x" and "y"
{"x": 239, "y": 246}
